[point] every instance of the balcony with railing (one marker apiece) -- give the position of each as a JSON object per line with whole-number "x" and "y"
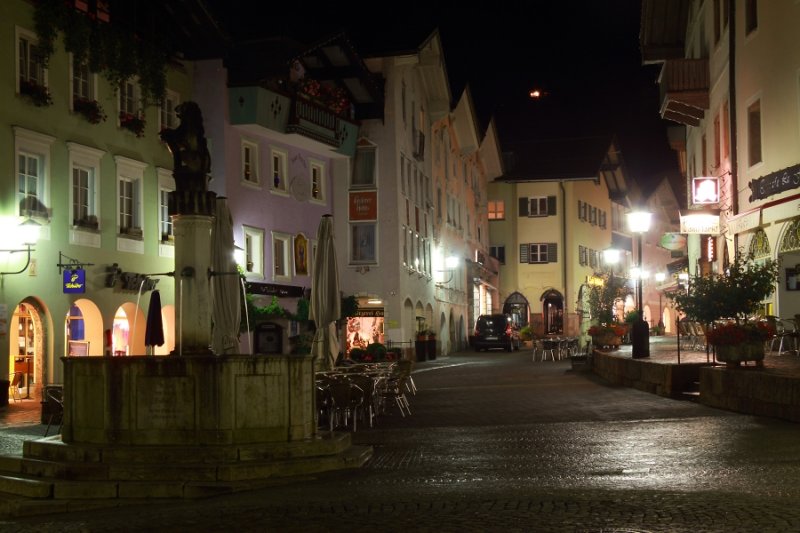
{"x": 684, "y": 90}
{"x": 295, "y": 112}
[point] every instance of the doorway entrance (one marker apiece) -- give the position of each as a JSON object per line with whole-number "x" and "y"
{"x": 553, "y": 312}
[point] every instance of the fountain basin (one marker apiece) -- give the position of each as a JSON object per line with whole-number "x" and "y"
{"x": 198, "y": 400}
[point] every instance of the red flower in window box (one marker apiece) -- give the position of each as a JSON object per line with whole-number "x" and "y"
{"x": 133, "y": 123}
{"x": 89, "y": 109}
{"x": 36, "y": 93}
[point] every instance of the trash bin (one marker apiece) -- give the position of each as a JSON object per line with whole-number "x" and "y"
{"x": 5, "y": 384}
{"x": 420, "y": 347}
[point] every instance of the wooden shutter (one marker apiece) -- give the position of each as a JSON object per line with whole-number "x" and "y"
{"x": 551, "y": 205}
{"x": 580, "y": 204}
{"x": 523, "y": 207}
{"x": 552, "y": 251}
{"x": 524, "y": 253}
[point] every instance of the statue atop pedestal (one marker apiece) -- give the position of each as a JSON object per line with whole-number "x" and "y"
{"x": 191, "y": 162}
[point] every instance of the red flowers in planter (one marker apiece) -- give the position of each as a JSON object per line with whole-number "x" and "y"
{"x": 731, "y": 333}
{"x": 36, "y": 93}
{"x": 90, "y": 109}
{"x": 131, "y": 122}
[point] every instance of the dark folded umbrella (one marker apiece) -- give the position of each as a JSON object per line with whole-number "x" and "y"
{"x": 154, "y": 331}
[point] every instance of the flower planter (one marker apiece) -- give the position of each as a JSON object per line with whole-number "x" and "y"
{"x": 733, "y": 355}
{"x": 606, "y": 340}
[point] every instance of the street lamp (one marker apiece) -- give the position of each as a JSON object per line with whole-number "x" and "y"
{"x": 15, "y": 238}
{"x": 639, "y": 223}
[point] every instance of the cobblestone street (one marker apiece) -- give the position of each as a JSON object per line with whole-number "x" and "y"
{"x": 498, "y": 443}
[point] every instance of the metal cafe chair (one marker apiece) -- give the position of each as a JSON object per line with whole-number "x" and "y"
{"x": 16, "y": 381}
{"x": 56, "y": 397}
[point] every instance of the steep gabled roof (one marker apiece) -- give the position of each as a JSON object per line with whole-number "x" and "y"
{"x": 555, "y": 159}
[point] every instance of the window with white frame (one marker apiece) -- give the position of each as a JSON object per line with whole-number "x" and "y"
{"x": 754, "y": 133}
{"x": 130, "y": 176}
{"x": 83, "y": 83}
{"x": 253, "y": 252}
{"x": 363, "y": 243}
{"x": 32, "y": 151}
{"x": 166, "y": 185}
{"x": 281, "y": 256}
{"x": 280, "y": 170}
{"x": 129, "y": 101}
{"x": 364, "y": 167}
{"x": 31, "y": 73}
{"x": 84, "y": 193}
{"x": 499, "y": 253}
{"x": 168, "y": 116}
{"x": 497, "y": 210}
{"x": 250, "y": 173}
{"x": 317, "y": 181}
{"x": 537, "y": 206}
{"x": 538, "y": 253}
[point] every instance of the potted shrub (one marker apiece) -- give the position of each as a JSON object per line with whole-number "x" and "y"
{"x": 603, "y": 300}
{"x": 375, "y": 352}
{"x": 734, "y": 297}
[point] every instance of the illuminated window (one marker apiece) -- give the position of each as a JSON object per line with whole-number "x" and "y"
{"x": 497, "y": 210}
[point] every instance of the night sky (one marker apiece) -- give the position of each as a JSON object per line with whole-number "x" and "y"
{"x": 584, "y": 55}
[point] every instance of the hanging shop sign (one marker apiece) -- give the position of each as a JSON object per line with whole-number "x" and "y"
{"x": 744, "y": 221}
{"x": 369, "y": 312}
{"x": 705, "y": 190}
{"x": 774, "y": 183}
{"x": 271, "y": 289}
{"x": 364, "y": 205}
{"x": 74, "y": 281}
{"x": 672, "y": 241}
{"x": 701, "y": 223}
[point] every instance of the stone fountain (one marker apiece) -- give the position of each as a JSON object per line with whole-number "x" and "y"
{"x": 190, "y": 424}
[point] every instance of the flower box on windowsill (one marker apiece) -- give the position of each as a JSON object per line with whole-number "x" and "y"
{"x": 132, "y": 123}
{"x": 88, "y": 223}
{"x": 91, "y": 110}
{"x": 38, "y": 95}
{"x": 131, "y": 233}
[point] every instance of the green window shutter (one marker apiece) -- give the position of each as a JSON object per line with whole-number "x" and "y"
{"x": 523, "y": 207}
{"x": 552, "y": 252}
{"x": 523, "y": 253}
{"x": 579, "y": 209}
{"x": 551, "y": 205}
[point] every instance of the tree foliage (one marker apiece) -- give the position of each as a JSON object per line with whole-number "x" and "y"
{"x": 736, "y": 294}
{"x": 604, "y": 297}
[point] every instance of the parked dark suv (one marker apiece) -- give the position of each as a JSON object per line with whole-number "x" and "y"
{"x": 496, "y": 331}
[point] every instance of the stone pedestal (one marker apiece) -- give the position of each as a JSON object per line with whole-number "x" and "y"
{"x": 192, "y": 284}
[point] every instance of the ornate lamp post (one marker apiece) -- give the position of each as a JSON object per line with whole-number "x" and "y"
{"x": 639, "y": 223}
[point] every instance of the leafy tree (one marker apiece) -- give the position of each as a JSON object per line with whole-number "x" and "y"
{"x": 735, "y": 294}
{"x": 603, "y": 297}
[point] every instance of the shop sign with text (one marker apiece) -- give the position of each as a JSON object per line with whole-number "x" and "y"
{"x": 74, "y": 281}
{"x": 364, "y": 205}
{"x": 700, "y": 224}
{"x": 774, "y": 183}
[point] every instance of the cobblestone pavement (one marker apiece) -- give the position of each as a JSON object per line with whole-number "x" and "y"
{"x": 498, "y": 443}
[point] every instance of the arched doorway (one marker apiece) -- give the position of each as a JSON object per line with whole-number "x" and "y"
{"x": 553, "y": 311}
{"x": 27, "y": 344}
{"x": 517, "y": 306}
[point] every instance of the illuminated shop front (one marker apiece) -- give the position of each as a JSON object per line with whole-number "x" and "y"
{"x": 365, "y": 328}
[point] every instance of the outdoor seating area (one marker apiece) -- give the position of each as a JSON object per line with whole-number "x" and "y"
{"x": 555, "y": 348}
{"x": 352, "y": 396}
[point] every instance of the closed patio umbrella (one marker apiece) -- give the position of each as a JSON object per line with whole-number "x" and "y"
{"x": 325, "y": 300}
{"x": 225, "y": 300}
{"x": 154, "y": 328}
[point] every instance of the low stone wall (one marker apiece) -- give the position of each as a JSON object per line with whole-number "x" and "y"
{"x": 198, "y": 400}
{"x": 656, "y": 378}
{"x": 752, "y": 391}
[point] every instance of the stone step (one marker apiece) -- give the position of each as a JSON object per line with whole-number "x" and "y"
{"x": 54, "y": 450}
{"x": 30, "y": 494}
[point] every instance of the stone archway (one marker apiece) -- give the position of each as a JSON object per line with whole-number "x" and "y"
{"x": 552, "y": 311}
{"x": 517, "y": 306}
